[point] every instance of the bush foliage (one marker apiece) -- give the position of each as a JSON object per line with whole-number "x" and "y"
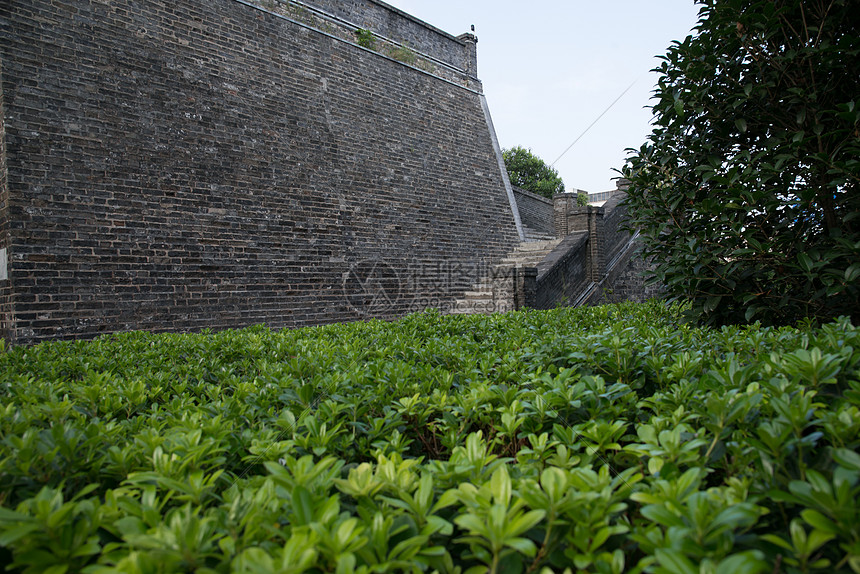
{"x": 748, "y": 190}
{"x": 611, "y": 439}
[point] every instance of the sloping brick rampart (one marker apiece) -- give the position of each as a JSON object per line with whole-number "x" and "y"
{"x": 211, "y": 164}
{"x": 397, "y": 26}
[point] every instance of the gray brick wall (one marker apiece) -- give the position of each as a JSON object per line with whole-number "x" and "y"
{"x": 403, "y": 28}
{"x": 630, "y": 285}
{"x": 596, "y": 262}
{"x": 565, "y": 277}
{"x": 535, "y": 211}
{"x": 611, "y": 217}
{"x": 5, "y": 284}
{"x": 208, "y": 164}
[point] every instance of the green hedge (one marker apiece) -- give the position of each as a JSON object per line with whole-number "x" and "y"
{"x": 609, "y": 439}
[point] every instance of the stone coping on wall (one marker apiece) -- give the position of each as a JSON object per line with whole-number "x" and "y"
{"x": 415, "y": 20}
{"x": 563, "y": 251}
{"x": 532, "y": 195}
{"x": 561, "y": 276}
{"x": 344, "y": 30}
{"x": 436, "y": 42}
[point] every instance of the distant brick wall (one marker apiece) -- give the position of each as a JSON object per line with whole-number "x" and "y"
{"x": 205, "y": 163}
{"x": 395, "y": 34}
{"x": 598, "y": 261}
{"x": 629, "y": 284}
{"x": 566, "y": 275}
{"x": 400, "y": 27}
{"x": 613, "y": 234}
{"x": 535, "y": 211}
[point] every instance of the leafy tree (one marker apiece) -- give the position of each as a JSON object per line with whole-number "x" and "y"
{"x": 746, "y": 191}
{"x": 530, "y": 172}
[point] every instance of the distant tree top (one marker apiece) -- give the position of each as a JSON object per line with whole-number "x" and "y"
{"x": 531, "y": 173}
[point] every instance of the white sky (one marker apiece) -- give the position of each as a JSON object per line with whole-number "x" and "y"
{"x": 551, "y": 67}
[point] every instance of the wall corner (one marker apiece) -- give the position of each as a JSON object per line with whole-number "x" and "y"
{"x": 470, "y": 53}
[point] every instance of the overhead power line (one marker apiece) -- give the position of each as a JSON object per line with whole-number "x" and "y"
{"x": 594, "y": 122}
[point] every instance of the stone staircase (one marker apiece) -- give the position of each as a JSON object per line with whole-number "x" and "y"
{"x": 530, "y": 253}
{"x": 494, "y": 294}
{"x": 594, "y": 259}
{"x": 532, "y": 234}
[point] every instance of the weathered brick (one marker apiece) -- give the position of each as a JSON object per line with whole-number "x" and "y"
{"x": 212, "y": 164}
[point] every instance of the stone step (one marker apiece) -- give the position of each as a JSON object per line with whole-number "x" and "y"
{"x": 532, "y": 234}
{"x": 539, "y": 255}
{"x": 478, "y": 302}
{"x": 519, "y": 257}
{"x": 537, "y": 246}
{"x": 487, "y": 297}
{"x": 503, "y": 269}
{"x": 527, "y": 254}
{"x": 477, "y": 296}
{"x": 533, "y": 237}
{"x": 520, "y": 263}
{"x": 524, "y": 260}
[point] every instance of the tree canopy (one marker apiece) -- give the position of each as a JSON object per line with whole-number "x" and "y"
{"x": 530, "y": 172}
{"x": 746, "y": 191}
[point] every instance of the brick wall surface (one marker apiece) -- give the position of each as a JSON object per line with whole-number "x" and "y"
{"x": 611, "y": 216}
{"x": 567, "y": 275}
{"x": 5, "y": 284}
{"x": 630, "y": 285}
{"x": 454, "y": 59}
{"x": 206, "y": 163}
{"x": 400, "y": 27}
{"x": 535, "y": 211}
{"x": 596, "y": 262}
